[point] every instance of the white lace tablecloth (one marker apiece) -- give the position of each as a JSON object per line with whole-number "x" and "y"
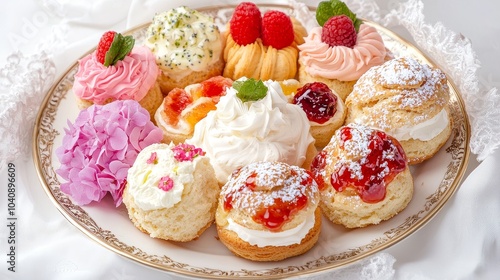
{"x": 42, "y": 38}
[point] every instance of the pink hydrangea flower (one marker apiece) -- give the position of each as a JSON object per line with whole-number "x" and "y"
{"x": 100, "y": 146}
{"x": 166, "y": 183}
{"x": 186, "y": 152}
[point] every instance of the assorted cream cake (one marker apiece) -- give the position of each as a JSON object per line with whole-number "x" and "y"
{"x": 266, "y": 127}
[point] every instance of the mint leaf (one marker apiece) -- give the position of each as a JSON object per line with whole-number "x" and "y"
{"x": 328, "y": 9}
{"x": 120, "y": 47}
{"x": 250, "y": 90}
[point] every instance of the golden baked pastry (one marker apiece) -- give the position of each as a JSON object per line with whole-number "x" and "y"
{"x": 268, "y": 211}
{"x": 409, "y": 101}
{"x": 363, "y": 177}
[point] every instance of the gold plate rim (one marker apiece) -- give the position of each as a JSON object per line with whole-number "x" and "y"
{"x": 46, "y": 114}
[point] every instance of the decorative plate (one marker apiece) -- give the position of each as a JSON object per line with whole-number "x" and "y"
{"x": 435, "y": 182}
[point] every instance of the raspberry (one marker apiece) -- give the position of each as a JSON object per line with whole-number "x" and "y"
{"x": 104, "y": 45}
{"x": 277, "y": 29}
{"x": 245, "y": 25}
{"x": 339, "y": 31}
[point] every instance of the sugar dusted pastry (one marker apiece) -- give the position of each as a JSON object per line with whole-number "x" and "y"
{"x": 408, "y": 100}
{"x": 117, "y": 70}
{"x": 338, "y": 58}
{"x": 254, "y": 122}
{"x": 187, "y": 45}
{"x": 262, "y": 46}
{"x": 363, "y": 176}
{"x": 268, "y": 211}
{"x": 171, "y": 192}
{"x": 183, "y": 108}
{"x": 324, "y": 109}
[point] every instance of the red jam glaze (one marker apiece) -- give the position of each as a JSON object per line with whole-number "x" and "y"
{"x": 317, "y": 101}
{"x": 371, "y": 187}
{"x": 274, "y": 216}
{"x": 317, "y": 166}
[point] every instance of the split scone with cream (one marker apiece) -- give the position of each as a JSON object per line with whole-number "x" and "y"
{"x": 363, "y": 177}
{"x": 409, "y": 101}
{"x": 268, "y": 211}
{"x": 171, "y": 192}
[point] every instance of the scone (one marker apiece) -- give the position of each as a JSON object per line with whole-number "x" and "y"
{"x": 254, "y": 122}
{"x": 183, "y": 108}
{"x": 187, "y": 45}
{"x": 100, "y": 146}
{"x": 409, "y": 101}
{"x": 363, "y": 176}
{"x": 171, "y": 192}
{"x": 339, "y": 51}
{"x": 102, "y": 77}
{"x": 324, "y": 109}
{"x": 268, "y": 211}
{"x": 262, "y": 46}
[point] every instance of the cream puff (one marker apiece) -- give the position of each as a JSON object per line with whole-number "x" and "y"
{"x": 407, "y": 99}
{"x": 268, "y": 211}
{"x": 363, "y": 176}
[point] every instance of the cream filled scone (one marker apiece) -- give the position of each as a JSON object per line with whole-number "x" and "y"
{"x": 268, "y": 211}
{"x": 340, "y": 51}
{"x": 409, "y": 101}
{"x": 187, "y": 45}
{"x": 171, "y": 192}
{"x": 324, "y": 109}
{"x": 262, "y": 46}
{"x": 254, "y": 122}
{"x": 363, "y": 176}
{"x": 117, "y": 70}
{"x": 182, "y": 109}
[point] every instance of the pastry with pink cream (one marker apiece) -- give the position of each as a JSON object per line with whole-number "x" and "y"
{"x": 117, "y": 70}
{"x": 340, "y": 51}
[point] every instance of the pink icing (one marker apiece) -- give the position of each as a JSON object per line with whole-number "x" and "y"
{"x": 130, "y": 78}
{"x": 342, "y": 63}
{"x": 100, "y": 146}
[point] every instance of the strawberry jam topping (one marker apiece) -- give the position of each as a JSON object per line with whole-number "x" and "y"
{"x": 270, "y": 192}
{"x": 379, "y": 158}
{"x": 318, "y": 169}
{"x": 317, "y": 101}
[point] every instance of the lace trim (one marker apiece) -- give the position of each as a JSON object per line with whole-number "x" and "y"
{"x": 23, "y": 83}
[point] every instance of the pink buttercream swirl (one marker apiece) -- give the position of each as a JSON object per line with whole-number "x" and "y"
{"x": 100, "y": 146}
{"x": 130, "y": 78}
{"x": 339, "y": 62}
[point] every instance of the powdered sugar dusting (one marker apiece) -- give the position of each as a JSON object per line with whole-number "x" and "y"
{"x": 270, "y": 181}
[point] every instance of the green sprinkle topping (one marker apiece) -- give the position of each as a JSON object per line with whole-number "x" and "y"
{"x": 250, "y": 90}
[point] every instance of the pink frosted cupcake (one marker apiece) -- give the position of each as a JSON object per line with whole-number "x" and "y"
{"x": 100, "y": 146}
{"x": 340, "y": 51}
{"x": 118, "y": 71}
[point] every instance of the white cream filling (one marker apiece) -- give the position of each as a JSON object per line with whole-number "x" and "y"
{"x": 423, "y": 131}
{"x": 267, "y": 238}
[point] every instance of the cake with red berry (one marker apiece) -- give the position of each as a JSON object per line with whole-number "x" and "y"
{"x": 171, "y": 192}
{"x": 268, "y": 211}
{"x": 407, "y": 99}
{"x": 187, "y": 45}
{"x": 183, "y": 108}
{"x": 363, "y": 176}
{"x": 262, "y": 47}
{"x": 254, "y": 122}
{"x": 324, "y": 108}
{"x": 339, "y": 51}
{"x": 118, "y": 70}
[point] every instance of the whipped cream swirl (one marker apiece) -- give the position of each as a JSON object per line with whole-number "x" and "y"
{"x": 238, "y": 133}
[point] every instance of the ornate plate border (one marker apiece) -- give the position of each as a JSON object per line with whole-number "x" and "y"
{"x": 43, "y": 147}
